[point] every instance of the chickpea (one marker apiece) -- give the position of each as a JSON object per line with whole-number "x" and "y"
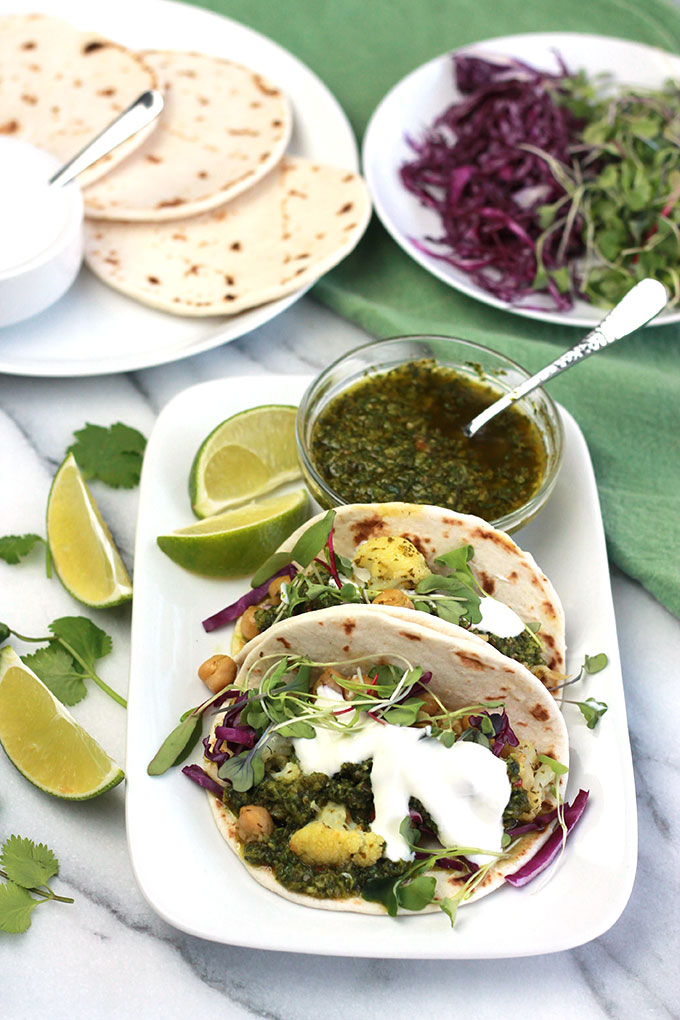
{"x": 274, "y": 589}
{"x": 217, "y": 672}
{"x": 255, "y": 824}
{"x": 249, "y": 628}
{"x": 393, "y": 597}
{"x": 329, "y": 678}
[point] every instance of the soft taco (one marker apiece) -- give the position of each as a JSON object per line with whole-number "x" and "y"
{"x": 367, "y": 763}
{"x": 459, "y": 575}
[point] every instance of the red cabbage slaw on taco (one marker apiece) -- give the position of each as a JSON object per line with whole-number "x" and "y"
{"x": 365, "y": 762}
{"x": 455, "y": 571}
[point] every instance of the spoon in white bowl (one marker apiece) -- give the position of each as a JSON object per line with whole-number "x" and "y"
{"x": 636, "y": 308}
{"x": 138, "y": 115}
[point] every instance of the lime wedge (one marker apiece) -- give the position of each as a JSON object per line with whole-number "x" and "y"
{"x": 43, "y": 740}
{"x": 247, "y": 455}
{"x": 237, "y": 541}
{"x": 83, "y": 552}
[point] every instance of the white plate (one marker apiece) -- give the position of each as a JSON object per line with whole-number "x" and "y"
{"x": 185, "y": 869}
{"x": 93, "y": 329}
{"x": 412, "y": 105}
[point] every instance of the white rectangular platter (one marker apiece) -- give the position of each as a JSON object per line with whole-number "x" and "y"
{"x": 184, "y": 868}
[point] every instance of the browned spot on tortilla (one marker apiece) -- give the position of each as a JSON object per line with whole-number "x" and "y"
{"x": 541, "y": 713}
{"x": 204, "y": 101}
{"x": 186, "y": 73}
{"x": 112, "y": 261}
{"x": 235, "y": 246}
{"x": 30, "y": 45}
{"x": 347, "y": 177}
{"x": 487, "y": 583}
{"x": 266, "y": 90}
{"x": 345, "y": 208}
{"x": 278, "y": 123}
{"x": 548, "y": 608}
{"x": 153, "y": 159}
{"x": 284, "y": 641}
{"x": 548, "y": 640}
{"x": 303, "y": 255}
{"x": 470, "y": 660}
{"x": 96, "y": 44}
{"x": 106, "y": 92}
{"x": 169, "y": 202}
{"x": 418, "y": 542}
{"x": 9, "y": 127}
{"x": 411, "y": 637}
{"x": 229, "y": 280}
{"x": 202, "y": 174}
{"x": 193, "y": 270}
{"x": 229, "y": 297}
{"x": 348, "y": 626}
{"x": 298, "y": 271}
{"x": 345, "y": 648}
{"x": 153, "y": 279}
{"x": 320, "y": 237}
{"x": 503, "y": 690}
{"x": 179, "y": 237}
{"x": 255, "y": 105}
{"x": 367, "y": 528}
{"x": 31, "y": 100}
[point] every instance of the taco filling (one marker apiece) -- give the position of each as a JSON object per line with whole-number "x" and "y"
{"x": 355, "y": 780}
{"x": 391, "y": 571}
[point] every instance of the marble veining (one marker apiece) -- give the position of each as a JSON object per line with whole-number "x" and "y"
{"x": 110, "y": 955}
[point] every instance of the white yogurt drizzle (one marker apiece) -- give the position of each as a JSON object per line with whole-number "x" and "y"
{"x": 498, "y": 619}
{"x": 465, "y": 788}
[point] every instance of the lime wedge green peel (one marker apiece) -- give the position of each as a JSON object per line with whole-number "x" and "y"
{"x": 247, "y": 455}
{"x": 43, "y": 740}
{"x": 83, "y": 552}
{"x": 237, "y": 541}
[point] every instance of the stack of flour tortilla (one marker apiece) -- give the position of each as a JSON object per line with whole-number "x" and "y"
{"x": 204, "y": 213}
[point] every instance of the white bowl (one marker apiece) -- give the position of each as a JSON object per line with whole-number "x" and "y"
{"x": 44, "y": 270}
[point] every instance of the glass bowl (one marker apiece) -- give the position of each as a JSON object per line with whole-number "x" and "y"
{"x": 479, "y": 364}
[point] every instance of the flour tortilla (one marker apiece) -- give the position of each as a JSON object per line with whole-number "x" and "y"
{"x": 503, "y": 570}
{"x": 60, "y": 86}
{"x": 464, "y": 672}
{"x": 222, "y": 129}
{"x": 277, "y": 237}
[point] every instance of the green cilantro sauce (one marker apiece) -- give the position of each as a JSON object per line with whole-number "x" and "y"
{"x": 397, "y": 435}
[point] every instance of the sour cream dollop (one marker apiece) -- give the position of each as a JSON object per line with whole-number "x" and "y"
{"x": 32, "y": 215}
{"x": 465, "y": 788}
{"x": 498, "y": 619}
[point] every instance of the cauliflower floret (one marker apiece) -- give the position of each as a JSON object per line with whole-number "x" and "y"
{"x": 334, "y": 841}
{"x": 393, "y": 562}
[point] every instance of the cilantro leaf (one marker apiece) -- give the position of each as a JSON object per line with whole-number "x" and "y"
{"x": 58, "y": 671}
{"x": 417, "y": 893}
{"x": 14, "y": 547}
{"x": 26, "y": 863}
{"x": 87, "y": 641}
{"x": 113, "y": 455}
{"x": 382, "y": 890}
{"x": 16, "y": 907}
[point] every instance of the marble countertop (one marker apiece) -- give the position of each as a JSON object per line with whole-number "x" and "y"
{"x": 109, "y": 955}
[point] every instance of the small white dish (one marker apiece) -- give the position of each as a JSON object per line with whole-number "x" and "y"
{"x": 414, "y": 102}
{"x": 41, "y": 236}
{"x": 185, "y": 869}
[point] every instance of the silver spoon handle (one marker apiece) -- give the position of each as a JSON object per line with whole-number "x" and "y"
{"x": 642, "y": 302}
{"x": 137, "y": 116}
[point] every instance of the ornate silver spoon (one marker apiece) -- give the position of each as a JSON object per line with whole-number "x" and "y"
{"x": 642, "y": 302}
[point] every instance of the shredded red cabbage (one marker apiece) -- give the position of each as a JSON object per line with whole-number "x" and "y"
{"x": 472, "y": 170}
{"x": 251, "y": 598}
{"x": 201, "y": 777}
{"x": 553, "y": 845}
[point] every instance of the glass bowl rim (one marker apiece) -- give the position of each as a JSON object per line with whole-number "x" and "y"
{"x": 515, "y": 518}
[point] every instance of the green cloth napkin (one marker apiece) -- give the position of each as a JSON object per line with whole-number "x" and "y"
{"x": 626, "y": 400}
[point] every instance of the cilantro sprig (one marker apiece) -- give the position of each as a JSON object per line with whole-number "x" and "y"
{"x": 26, "y": 868}
{"x": 113, "y": 455}
{"x": 68, "y": 659}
